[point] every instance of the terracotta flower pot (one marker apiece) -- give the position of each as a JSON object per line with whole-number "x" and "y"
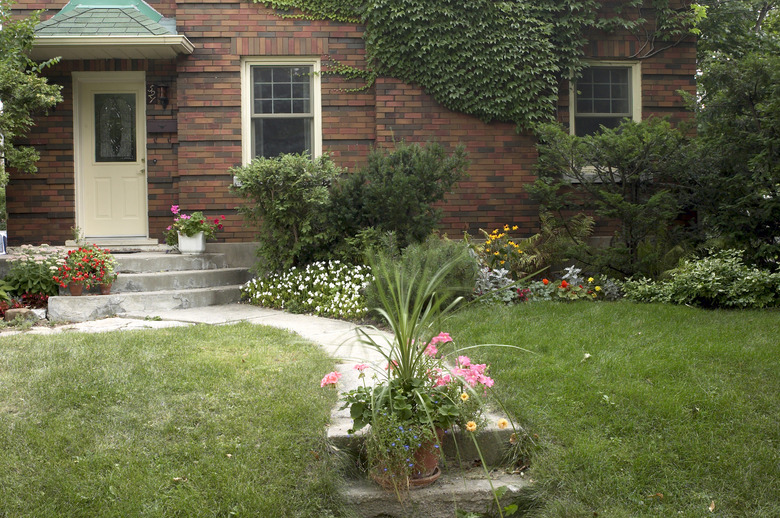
{"x": 75, "y": 288}
{"x": 105, "y": 289}
{"x": 426, "y": 467}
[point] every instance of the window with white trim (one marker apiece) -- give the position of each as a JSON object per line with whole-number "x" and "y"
{"x": 607, "y": 93}
{"x": 281, "y": 107}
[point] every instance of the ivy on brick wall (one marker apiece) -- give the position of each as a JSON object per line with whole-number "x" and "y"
{"x": 496, "y": 60}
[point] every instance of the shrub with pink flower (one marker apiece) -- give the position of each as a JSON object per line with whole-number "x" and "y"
{"x": 191, "y": 224}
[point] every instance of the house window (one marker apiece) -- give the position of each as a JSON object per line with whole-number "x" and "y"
{"x": 281, "y": 107}
{"x": 604, "y": 96}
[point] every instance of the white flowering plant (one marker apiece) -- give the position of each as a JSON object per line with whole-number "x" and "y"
{"x": 328, "y": 289}
{"x": 32, "y": 268}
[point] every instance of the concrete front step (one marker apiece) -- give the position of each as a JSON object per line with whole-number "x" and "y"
{"x": 179, "y": 280}
{"x": 466, "y": 490}
{"x": 92, "y": 307}
{"x": 150, "y": 262}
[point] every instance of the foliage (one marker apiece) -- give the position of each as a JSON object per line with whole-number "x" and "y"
{"x": 737, "y": 28}
{"x": 625, "y": 175}
{"x": 288, "y": 196}
{"x": 736, "y": 188}
{"x": 190, "y": 224}
{"x": 721, "y": 279}
{"x": 571, "y": 286}
{"x": 331, "y": 289}
{"x": 5, "y": 305}
{"x": 22, "y": 90}
{"x": 415, "y": 389}
{"x": 494, "y": 60}
{"x": 32, "y": 269}
{"x": 396, "y": 191}
{"x": 87, "y": 265}
{"x": 495, "y": 286}
{"x": 423, "y": 259}
{"x": 392, "y": 444}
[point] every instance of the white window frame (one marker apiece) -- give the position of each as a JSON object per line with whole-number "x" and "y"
{"x": 635, "y": 77}
{"x": 246, "y": 99}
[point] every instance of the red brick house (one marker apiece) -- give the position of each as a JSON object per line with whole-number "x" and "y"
{"x": 162, "y": 98}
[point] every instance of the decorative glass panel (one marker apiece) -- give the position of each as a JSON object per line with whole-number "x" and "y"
{"x": 115, "y": 128}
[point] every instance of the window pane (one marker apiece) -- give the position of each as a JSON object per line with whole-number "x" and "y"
{"x": 620, "y": 106}
{"x": 115, "y": 128}
{"x": 282, "y": 106}
{"x": 282, "y": 90}
{"x": 272, "y": 137}
{"x": 601, "y": 106}
{"x": 601, "y": 75}
{"x": 584, "y": 106}
{"x": 282, "y": 74}
{"x": 601, "y": 91}
{"x": 263, "y": 74}
{"x": 590, "y": 125}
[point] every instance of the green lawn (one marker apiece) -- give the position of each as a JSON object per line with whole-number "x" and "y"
{"x": 675, "y": 409}
{"x": 201, "y": 421}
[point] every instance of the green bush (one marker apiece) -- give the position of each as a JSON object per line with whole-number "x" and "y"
{"x": 396, "y": 191}
{"x": 424, "y": 259}
{"x": 289, "y": 195}
{"x": 627, "y": 177}
{"x": 719, "y": 280}
{"x": 32, "y": 271}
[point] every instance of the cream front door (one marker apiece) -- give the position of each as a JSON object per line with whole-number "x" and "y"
{"x": 111, "y": 158}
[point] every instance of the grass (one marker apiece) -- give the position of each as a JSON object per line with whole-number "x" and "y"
{"x": 200, "y": 421}
{"x": 676, "y": 410}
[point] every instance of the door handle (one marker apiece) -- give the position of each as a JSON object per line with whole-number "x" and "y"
{"x": 142, "y": 172}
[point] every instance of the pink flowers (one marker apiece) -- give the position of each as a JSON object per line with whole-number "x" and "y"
{"x": 361, "y": 367}
{"x": 473, "y": 374}
{"x": 442, "y": 338}
{"x": 330, "y": 379}
{"x": 175, "y": 209}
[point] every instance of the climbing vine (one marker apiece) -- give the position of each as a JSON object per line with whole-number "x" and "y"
{"x": 496, "y": 60}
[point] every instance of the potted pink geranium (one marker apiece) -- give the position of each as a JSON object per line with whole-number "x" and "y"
{"x": 190, "y": 231}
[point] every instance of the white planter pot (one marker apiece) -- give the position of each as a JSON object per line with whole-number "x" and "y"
{"x": 192, "y": 244}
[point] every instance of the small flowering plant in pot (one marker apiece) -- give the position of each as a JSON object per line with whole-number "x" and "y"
{"x": 415, "y": 397}
{"x": 190, "y": 225}
{"x": 87, "y": 266}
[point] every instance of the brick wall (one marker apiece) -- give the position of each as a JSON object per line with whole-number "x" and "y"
{"x": 192, "y": 164}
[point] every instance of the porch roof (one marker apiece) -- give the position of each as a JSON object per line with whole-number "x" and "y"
{"x": 100, "y": 29}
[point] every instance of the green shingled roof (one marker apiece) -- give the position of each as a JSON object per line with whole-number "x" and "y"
{"x": 105, "y": 18}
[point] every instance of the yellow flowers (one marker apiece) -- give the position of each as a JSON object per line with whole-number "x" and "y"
{"x": 502, "y": 423}
{"x": 590, "y": 279}
{"x": 597, "y": 288}
{"x": 471, "y": 426}
{"x": 464, "y": 397}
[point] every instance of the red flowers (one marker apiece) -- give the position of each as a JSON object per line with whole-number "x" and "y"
{"x": 564, "y": 285}
{"x": 545, "y": 282}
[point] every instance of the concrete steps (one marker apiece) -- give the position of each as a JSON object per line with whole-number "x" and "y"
{"x": 463, "y": 484}
{"x": 156, "y": 281}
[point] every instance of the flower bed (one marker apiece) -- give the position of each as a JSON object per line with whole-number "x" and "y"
{"x": 329, "y": 289}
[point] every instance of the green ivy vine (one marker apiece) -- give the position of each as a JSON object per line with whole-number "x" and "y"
{"x": 496, "y": 60}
